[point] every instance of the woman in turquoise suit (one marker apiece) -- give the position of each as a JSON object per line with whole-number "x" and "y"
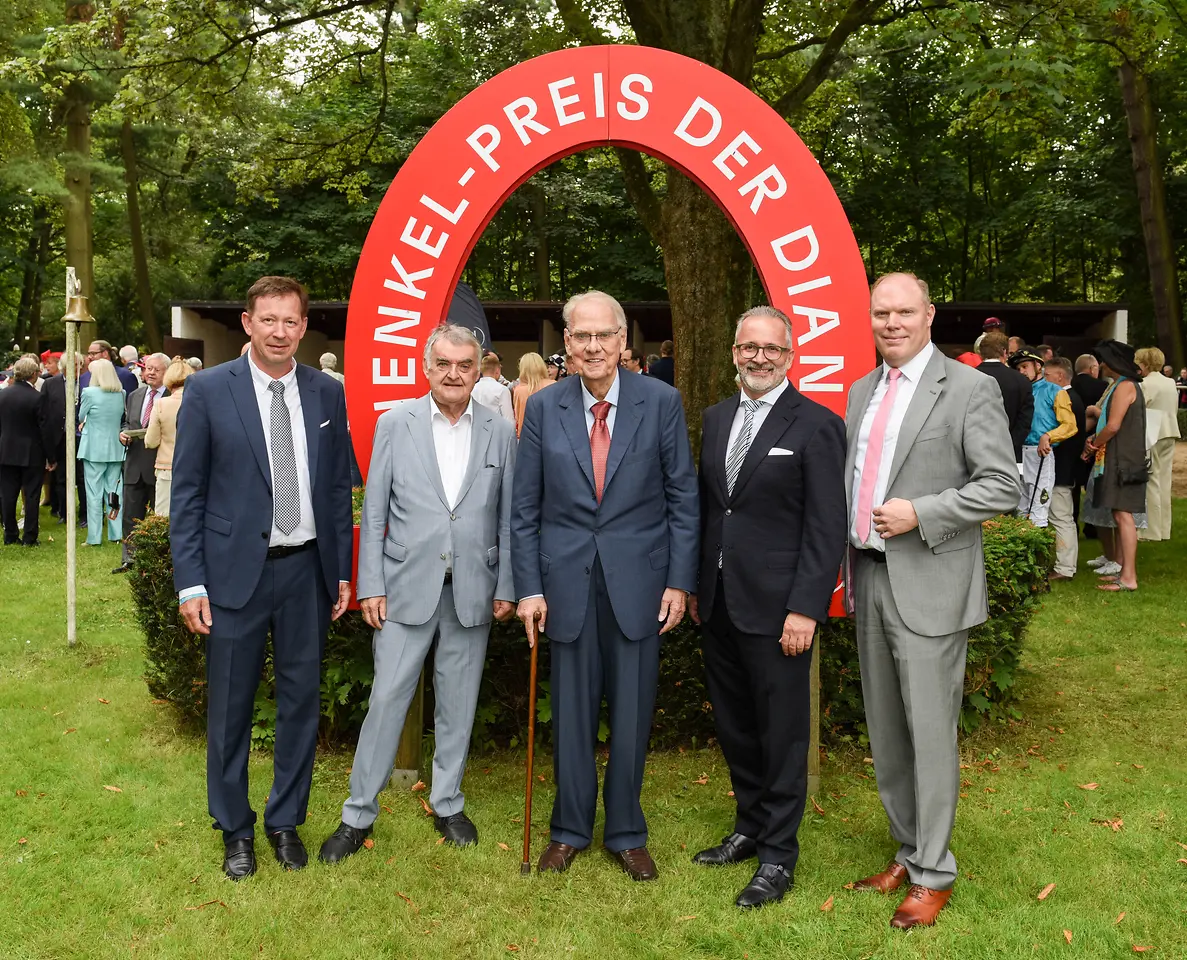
{"x": 101, "y": 413}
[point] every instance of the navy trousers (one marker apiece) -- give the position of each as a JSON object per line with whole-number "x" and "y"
{"x": 290, "y": 603}
{"x": 601, "y": 661}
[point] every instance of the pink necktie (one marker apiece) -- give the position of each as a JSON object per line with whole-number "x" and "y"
{"x": 599, "y": 445}
{"x": 144, "y": 417}
{"x": 873, "y": 460}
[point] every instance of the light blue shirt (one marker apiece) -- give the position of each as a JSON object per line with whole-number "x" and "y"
{"x": 588, "y": 399}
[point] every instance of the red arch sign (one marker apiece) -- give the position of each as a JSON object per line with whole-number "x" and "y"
{"x": 692, "y": 116}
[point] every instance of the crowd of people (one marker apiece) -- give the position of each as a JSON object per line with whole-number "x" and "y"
{"x": 570, "y": 500}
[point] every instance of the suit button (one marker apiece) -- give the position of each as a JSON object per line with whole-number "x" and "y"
{"x": 597, "y": 530}
{"x": 587, "y": 569}
{"x": 444, "y": 557}
{"x": 264, "y": 534}
{"x": 453, "y": 516}
{"x": 729, "y": 512}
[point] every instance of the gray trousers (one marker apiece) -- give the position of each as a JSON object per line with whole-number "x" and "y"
{"x": 400, "y": 652}
{"x": 137, "y": 501}
{"x": 912, "y": 686}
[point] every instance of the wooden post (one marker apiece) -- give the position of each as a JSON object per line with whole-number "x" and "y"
{"x": 814, "y": 742}
{"x": 409, "y": 753}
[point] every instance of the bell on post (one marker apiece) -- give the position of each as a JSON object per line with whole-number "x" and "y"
{"x": 77, "y": 311}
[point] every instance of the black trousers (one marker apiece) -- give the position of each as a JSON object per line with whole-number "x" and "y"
{"x": 762, "y": 712}
{"x": 292, "y": 604}
{"x": 139, "y": 497}
{"x": 601, "y": 660}
{"x": 15, "y": 481}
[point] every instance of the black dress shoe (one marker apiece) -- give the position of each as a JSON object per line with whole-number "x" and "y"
{"x": 733, "y": 849}
{"x": 343, "y": 842}
{"x": 122, "y": 568}
{"x": 289, "y": 850}
{"x": 239, "y": 860}
{"x": 769, "y": 883}
{"x": 457, "y": 829}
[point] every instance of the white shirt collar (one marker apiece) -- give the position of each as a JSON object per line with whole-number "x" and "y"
{"x": 436, "y": 411}
{"x": 263, "y": 379}
{"x": 771, "y": 396}
{"x": 913, "y": 368}
{"x": 611, "y": 395}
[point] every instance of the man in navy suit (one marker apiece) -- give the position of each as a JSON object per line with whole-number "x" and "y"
{"x": 261, "y": 535}
{"x": 604, "y": 531}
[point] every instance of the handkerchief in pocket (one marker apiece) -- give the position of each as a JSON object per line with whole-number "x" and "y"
{"x": 780, "y": 452}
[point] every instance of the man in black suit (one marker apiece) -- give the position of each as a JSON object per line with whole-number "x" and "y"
{"x": 1086, "y": 381}
{"x": 665, "y": 368}
{"x": 140, "y": 475}
{"x": 22, "y": 450}
{"x": 53, "y": 430}
{"x": 772, "y": 538}
{"x": 1016, "y": 390}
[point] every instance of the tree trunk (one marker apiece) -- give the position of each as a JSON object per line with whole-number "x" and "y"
{"x": 43, "y": 258}
{"x": 139, "y": 257}
{"x": 1156, "y": 231}
{"x": 22, "y": 310}
{"x": 543, "y": 270}
{"x": 708, "y": 275}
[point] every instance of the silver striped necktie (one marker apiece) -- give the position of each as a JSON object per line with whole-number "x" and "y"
{"x": 286, "y": 499}
{"x": 737, "y": 454}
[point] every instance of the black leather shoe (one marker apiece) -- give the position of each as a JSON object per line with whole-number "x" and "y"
{"x": 289, "y": 850}
{"x": 239, "y": 860}
{"x": 457, "y": 829}
{"x": 122, "y": 568}
{"x": 733, "y": 849}
{"x": 342, "y": 843}
{"x": 769, "y": 883}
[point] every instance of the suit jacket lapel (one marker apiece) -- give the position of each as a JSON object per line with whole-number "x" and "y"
{"x": 480, "y": 430}
{"x": 307, "y": 387}
{"x": 859, "y": 399}
{"x": 926, "y": 393}
{"x": 626, "y": 423}
{"x": 573, "y": 421}
{"x": 778, "y": 419}
{"x": 420, "y": 425}
{"x": 243, "y": 393}
{"x": 715, "y": 445}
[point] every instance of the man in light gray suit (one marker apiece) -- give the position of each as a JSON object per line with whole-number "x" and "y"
{"x": 929, "y": 458}
{"x": 434, "y": 563}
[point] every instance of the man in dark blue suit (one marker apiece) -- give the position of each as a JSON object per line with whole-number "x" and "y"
{"x": 261, "y": 536}
{"x": 604, "y": 532}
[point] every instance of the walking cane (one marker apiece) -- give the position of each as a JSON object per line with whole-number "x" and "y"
{"x": 525, "y": 868}
{"x": 1035, "y": 489}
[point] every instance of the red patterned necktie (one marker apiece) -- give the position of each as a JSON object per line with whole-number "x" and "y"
{"x": 599, "y": 445}
{"x": 147, "y": 414}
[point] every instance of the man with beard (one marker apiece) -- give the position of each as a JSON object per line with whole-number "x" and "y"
{"x": 772, "y": 538}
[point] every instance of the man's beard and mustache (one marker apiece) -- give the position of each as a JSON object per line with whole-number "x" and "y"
{"x": 758, "y": 377}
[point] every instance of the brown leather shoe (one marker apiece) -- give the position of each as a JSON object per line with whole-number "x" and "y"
{"x": 556, "y": 858}
{"x": 920, "y": 907}
{"x": 893, "y": 877}
{"x": 637, "y": 863}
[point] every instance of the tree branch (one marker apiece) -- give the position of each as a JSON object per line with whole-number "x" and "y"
{"x": 741, "y": 40}
{"x": 639, "y": 192}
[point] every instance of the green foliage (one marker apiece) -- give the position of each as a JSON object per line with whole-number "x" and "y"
{"x": 1018, "y": 557}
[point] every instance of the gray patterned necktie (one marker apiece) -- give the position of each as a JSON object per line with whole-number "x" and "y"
{"x": 286, "y": 501}
{"x": 737, "y": 454}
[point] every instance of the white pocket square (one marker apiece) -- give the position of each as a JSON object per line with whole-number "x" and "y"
{"x": 780, "y": 452}
{"x": 326, "y": 424}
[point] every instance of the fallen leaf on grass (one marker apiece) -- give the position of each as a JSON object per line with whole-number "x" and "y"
{"x": 1137, "y": 949}
{"x": 1120, "y": 917}
{"x": 503, "y": 846}
{"x": 1183, "y": 845}
{"x": 1139, "y": 766}
{"x": 71, "y": 730}
{"x": 1088, "y": 786}
{"x": 702, "y": 779}
{"x": 440, "y": 840}
{"x": 22, "y": 793}
{"x": 1066, "y": 804}
{"x": 407, "y": 899}
{"x": 418, "y": 786}
{"x": 1181, "y": 860}
{"x": 691, "y": 916}
{"x": 208, "y": 903}
{"x": 387, "y": 808}
{"x": 827, "y": 906}
{"x": 730, "y": 794}
{"x": 22, "y": 841}
{"x": 851, "y": 885}
{"x": 158, "y": 703}
{"x": 540, "y": 777}
{"x": 369, "y": 843}
{"x": 1046, "y": 891}
{"x": 513, "y": 948}
{"x": 112, "y": 789}
{"x": 817, "y": 807}
{"x": 427, "y": 808}
{"x": 1067, "y": 935}
{"x": 104, "y": 700}
{"x": 1115, "y": 824}
{"x": 867, "y": 759}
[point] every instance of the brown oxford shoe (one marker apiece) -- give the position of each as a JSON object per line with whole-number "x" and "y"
{"x": 637, "y": 863}
{"x": 920, "y": 907}
{"x": 556, "y": 858}
{"x": 890, "y": 879}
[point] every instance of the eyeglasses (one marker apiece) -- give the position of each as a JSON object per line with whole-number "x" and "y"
{"x": 96, "y": 353}
{"x": 463, "y": 366}
{"x": 772, "y": 351}
{"x": 604, "y": 337}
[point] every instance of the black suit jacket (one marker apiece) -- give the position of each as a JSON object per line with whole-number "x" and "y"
{"x": 1019, "y": 399}
{"x": 664, "y": 369}
{"x": 781, "y": 534}
{"x": 21, "y": 443}
{"x": 1089, "y": 388}
{"x": 1068, "y": 465}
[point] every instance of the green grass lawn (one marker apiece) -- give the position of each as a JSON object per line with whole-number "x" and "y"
{"x": 91, "y": 871}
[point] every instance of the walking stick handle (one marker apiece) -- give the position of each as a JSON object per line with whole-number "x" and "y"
{"x": 525, "y": 868}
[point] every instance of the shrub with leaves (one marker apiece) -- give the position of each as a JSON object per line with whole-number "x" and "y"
{"x": 1018, "y": 557}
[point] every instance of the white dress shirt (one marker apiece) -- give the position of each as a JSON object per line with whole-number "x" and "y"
{"x": 766, "y": 401}
{"x": 912, "y": 370}
{"x": 451, "y": 443}
{"x": 156, "y": 393}
{"x": 490, "y": 393}
{"x": 589, "y": 400}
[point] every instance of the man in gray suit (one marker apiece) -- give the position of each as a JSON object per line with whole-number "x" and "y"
{"x": 140, "y": 475}
{"x": 929, "y": 458}
{"x": 434, "y": 563}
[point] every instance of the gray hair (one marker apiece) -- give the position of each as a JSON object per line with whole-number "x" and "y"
{"x": 455, "y": 334}
{"x": 579, "y": 298}
{"x": 161, "y": 358}
{"x": 195, "y": 362}
{"x": 27, "y": 367}
{"x": 328, "y": 361}
{"x": 128, "y": 353}
{"x": 763, "y": 310}
{"x": 1085, "y": 362}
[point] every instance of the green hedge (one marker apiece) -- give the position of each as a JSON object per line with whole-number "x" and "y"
{"x": 1018, "y": 558}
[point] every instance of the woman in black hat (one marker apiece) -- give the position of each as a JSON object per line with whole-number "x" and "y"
{"x": 1115, "y": 499}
